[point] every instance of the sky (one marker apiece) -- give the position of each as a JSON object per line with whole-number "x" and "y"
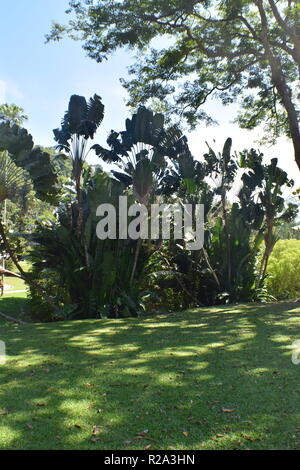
{"x": 41, "y": 78}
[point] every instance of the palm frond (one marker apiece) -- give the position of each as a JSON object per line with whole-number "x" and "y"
{"x": 95, "y": 110}
{"x": 77, "y": 112}
{"x": 12, "y": 178}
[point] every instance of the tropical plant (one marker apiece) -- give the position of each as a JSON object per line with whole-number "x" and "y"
{"x": 283, "y": 271}
{"x": 270, "y": 181}
{"x": 19, "y": 144}
{"x": 37, "y": 165}
{"x": 12, "y": 178}
{"x": 100, "y": 277}
{"x": 236, "y": 224}
{"x": 12, "y": 114}
{"x": 93, "y": 277}
{"x": 235, "y": 50}
{"x": 79, "y": 125}
{"x": 145, "y": 153}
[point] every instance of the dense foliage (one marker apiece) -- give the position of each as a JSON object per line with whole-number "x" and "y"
{"x": 283, "y": 273}
{"x": 151, "y": 162}
{"x": 191, "y": 50}
{"x": 76, "y": 274}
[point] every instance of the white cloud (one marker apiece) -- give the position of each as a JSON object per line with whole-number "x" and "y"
{"x": 10, "y": 92}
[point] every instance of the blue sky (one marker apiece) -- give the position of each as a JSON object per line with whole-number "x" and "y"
{"x": 41, "y": 77}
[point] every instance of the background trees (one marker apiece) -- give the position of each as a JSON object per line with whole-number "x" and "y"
{"x": 21, "y": 162}
{"x": 88, "y": 277}
{"x": 12, "y": 114}
{"x": 81, "y": 276}
{"x": 234, "y": 50}
{"x": 240, "y": 222}
{"x": 283, "y": 281}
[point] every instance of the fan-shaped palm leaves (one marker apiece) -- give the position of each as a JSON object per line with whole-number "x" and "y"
{"x": 79, "y": 124}
{"x": 23, "y": 156}
{"x": 19, "y": 144}
{"x": 12, "y": 177}
{"x": 143, "y": 152}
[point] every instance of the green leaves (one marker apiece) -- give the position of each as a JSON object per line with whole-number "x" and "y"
{"x": 15, "y": 139}
{"x": 95, "y": 110}
{"x": 143, "y": 151}
{"x": 216, "y": 50}
{"x": 227, "y": 151}
{"x": 145, "y": 126}
{"x": 12, "y": 177}
{"x": 107, "y": 156}
{"x": 91, "y": 274}
{"x": 12, "y": 114}
{"x": 76, "y": 114}
{"x": 80, "y": 124}
{"x": 39, "y": 166}
{"x": 19, "y": 144}
{"x": 82, "y": 119}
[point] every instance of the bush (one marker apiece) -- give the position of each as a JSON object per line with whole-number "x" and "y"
{"x": 283, "y": 273}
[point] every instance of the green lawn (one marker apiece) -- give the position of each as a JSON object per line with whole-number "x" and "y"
{"x": 209, "y": 379}
{"x": 15, "y": 283}
{"x": 14, "y": 304}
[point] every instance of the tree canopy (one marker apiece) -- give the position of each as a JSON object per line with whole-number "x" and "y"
{"x": 12, "y": 114}
{"x": 236, "y": 50}
{"x": 19, "y": 144}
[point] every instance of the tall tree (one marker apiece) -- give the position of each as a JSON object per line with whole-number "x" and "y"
{"x": 235, "y": 50}
{"x": 143, "y": 152}
{"x": 12, "y": 114}
{"x": 79, "y": 125}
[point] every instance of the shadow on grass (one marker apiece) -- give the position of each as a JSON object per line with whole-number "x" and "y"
{"x": 14, "y": 306}
{"x": 208, "y": 379}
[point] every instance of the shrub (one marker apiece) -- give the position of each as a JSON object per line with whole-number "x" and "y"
{"x": 283, "y": 273}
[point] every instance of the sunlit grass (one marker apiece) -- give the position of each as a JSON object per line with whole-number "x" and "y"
{"x": 210, "y": 379}
{"x": 14, "y": 283}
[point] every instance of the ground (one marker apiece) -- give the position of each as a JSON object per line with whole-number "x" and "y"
{"x": 14, "y": 300}
{"x": 218, "y": 378}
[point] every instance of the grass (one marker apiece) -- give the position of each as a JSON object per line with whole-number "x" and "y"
{"x": 12, "y": 303}
{"x": 209, "y": 379}
{"x": 16, "y": 284}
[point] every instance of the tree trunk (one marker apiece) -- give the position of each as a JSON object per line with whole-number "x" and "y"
{"x": 280, "y": 83}
{"x": 136, "y": 257}
{"x": 80, "y": 208}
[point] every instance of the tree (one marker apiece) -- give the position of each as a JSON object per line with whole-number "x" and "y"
{"x": 79, "y": 124}
{"x": 271, "y": 181}
{"x": 143, "y": 152}
{"x": 239, "y": 223}
{"x": 12, "y": 180}
{"x": 18, "y": 152}
{"x": 12, "y": 114}
{"x": 236, "y": 50}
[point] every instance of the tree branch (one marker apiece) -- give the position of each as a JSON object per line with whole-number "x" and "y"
{"x": 289, "y": 31}
{"x": 11, "y": 319}
{"x": 280, "y": 82}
